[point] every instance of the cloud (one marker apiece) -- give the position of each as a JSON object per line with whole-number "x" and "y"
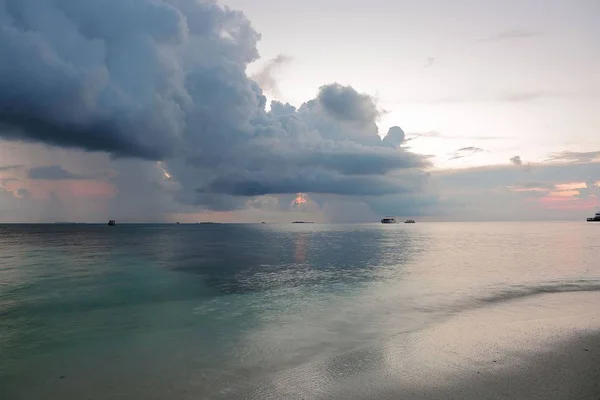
{"x": 4, "y": 181}
{"x": 507, "y": 97}
{"x": 439, "y": 135}
{"x": 327, "y": 184}
{"x": 10, "y": 167}
{"x": 485, "y": 193}
{"x": 466, "y": 152}
{"x": 395, "y": 136}
{"x": 513, "y": 34}
{"x": 265, "y": 77}
{"x": 89, "y": 91}
{"x": 503, "y": 176}
{"x": 522, "y": 97}
{"x": 415, "y": 204}
{"x": 516, "y": 160}
{"x": 591, "y": 188}
{"x": 551, "y": 192}
{"x": 53, "y": 173}
{"x": 539, "y": 185}
{"x": 575, "y": 156}
{"x": 23, "y": 205}
{"x": 346, "y": 104}
{"x": 430, "y": 62}
{"x": 144, "y": 195}
{"x": 431, "y": 134}
{"x": 166, "y": 81}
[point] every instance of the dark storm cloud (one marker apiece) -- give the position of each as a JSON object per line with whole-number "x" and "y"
{"x": 108, "y": 75}
{"x": 68, "y": 79}
{"x": 331, "y": 184}
{"x": 166, "y": 81}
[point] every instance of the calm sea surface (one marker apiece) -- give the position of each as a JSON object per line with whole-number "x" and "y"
{"x": 256, "y": 311}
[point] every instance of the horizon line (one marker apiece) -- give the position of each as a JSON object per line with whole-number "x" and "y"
{"x": 280, "y": 222}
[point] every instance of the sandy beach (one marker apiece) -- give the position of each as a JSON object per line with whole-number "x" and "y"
{"x": 522, "y": 351}
{"x": 541, "y": 347}
{"x": 570, "y": 370}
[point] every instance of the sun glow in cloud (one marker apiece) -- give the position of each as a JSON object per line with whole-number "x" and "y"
{"x": 575, "y": 195}
{"x": 570, "y": 186}
{"x": 527, "y": 189}
{"x": 300, "y": 199}
{"x": 164, "y": 171}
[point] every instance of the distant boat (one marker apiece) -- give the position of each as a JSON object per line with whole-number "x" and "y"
{"x": 302, "y": 222}
{"x": 112, "y": 223}
{"x": 409, "y": 221}
{"x": 595, "y": 218}
{"x": 389, "y": 220}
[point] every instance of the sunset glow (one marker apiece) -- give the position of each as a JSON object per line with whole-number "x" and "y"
{"x": 300, "y": 199}
{"x": 570, "y": 186}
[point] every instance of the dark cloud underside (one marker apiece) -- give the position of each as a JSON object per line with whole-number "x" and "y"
{"x": 166, "y": 81}
{"x": 53, "y": 172}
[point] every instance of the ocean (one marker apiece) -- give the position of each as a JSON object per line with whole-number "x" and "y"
{"x": 288, "y": 311}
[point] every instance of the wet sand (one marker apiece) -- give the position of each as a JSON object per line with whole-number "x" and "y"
{"x": 568, "y": 371}
{"x": 543, "y": 347}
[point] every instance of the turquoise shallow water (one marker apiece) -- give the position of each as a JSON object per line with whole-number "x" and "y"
{"x": 219, "y": 311}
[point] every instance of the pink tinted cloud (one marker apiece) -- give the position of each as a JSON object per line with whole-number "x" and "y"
{"x": 567, "y": 203}
{"x": 65, "y": 190}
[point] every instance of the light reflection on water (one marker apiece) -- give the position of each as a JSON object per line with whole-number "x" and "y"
{"x": 217, "y": 310}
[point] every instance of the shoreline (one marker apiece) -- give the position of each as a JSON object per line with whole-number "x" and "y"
{"x": 545, "y": 346}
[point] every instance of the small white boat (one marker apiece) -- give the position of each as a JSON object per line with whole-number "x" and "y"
{"x": 389, "y": 220}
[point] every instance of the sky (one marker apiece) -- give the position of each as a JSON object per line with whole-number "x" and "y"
{"x": 337, "y": 111}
